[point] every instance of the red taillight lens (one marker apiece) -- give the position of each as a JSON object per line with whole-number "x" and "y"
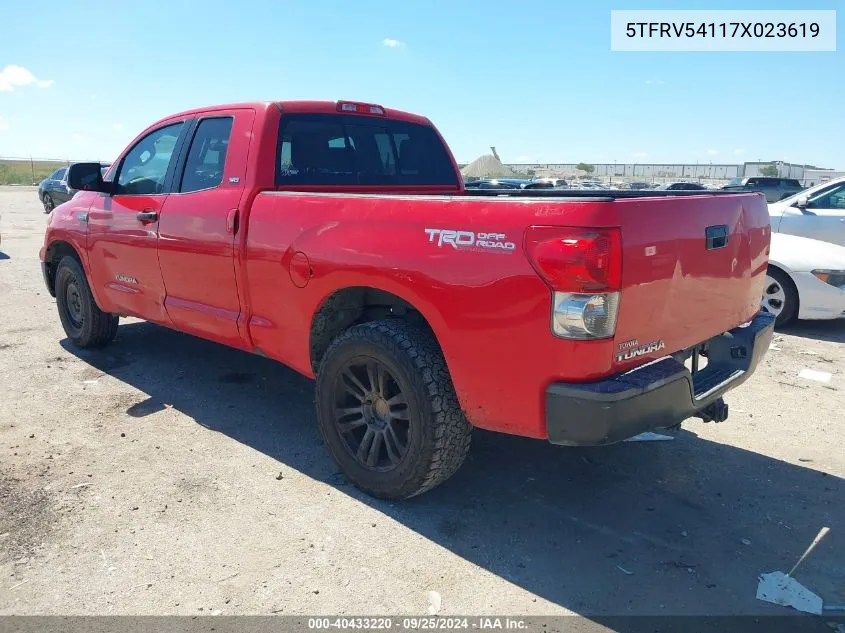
{"x": 575, "y": 259}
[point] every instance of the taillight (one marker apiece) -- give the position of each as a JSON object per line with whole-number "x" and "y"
{"x": 583, "y": 266}
{"x": 576, "y": 259}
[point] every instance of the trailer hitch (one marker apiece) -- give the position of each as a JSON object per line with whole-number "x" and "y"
{"x": 716, "y": 411}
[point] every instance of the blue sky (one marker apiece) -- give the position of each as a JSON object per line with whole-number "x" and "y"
{"x": 536, "y": 79}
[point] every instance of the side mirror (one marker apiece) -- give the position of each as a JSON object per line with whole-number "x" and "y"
{"x": 86, "y": 177}
{"x": 802, "y": 203}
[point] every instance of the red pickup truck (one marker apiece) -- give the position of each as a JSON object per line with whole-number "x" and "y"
{"x": 337, "y": 238}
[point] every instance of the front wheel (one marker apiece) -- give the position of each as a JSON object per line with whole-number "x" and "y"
{"x": 48, "y": 203}
{"x": 780, "y": 297}
{"x": 84, "y": 323}
{"x": 387, "y": 410}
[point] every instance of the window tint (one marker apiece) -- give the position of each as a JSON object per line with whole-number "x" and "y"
{"x": 830, "y": 198}
{"x": 60, "y": 174}
{"x": 145, "y": 166}
{"x": 791, "y": 182}
{"x": 207, "y": 156}
{"x": 329, "y": 149}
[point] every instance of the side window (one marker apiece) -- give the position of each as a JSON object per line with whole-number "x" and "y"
{"x": 144, "y": 168}
{"x": 830, "y": 198}
{"x": 60, "y": 174}
{"x": 207, "y": 156}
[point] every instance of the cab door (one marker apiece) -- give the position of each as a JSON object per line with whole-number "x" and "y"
{"x": 123, "y": 226}
{"x": 198, "y": 227}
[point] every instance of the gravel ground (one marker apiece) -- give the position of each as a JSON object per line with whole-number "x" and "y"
{"x": 169, "y": 475}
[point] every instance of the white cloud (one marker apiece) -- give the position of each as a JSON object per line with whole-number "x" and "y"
{"x": 12, "y": 77}
{"x": 713, "y": 152}
{"x": 640, "y": 154}
{"x": 78, "y": 138}
{"x": 739, "y": 152}
{"x": 654, "y": 82}
{"x": 390, "y": 43}
{"x": 117, "y": 127}
{"x": 4, "y": 124}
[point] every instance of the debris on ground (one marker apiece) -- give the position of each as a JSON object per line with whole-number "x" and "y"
{"x": 624, "y": 571}
{"x": 434, "y": 602}
{"x": 778, "y": 588}
{"x": 648, "y": 436}
{"x": 812, "y": 374}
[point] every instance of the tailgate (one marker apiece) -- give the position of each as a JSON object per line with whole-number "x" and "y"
{"x": 692, "y": 268}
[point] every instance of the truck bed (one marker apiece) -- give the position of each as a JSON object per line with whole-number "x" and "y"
{"x": 596, "y": 195}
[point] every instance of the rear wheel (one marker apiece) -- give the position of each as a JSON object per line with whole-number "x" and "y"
{"x": 84, "y": 323}
{"x": 780, "y": 297}
{"x": 387, "y": 410}
{"x": 48, "y": 203}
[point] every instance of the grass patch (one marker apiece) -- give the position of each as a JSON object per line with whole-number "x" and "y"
{"x": 22, "y": 172}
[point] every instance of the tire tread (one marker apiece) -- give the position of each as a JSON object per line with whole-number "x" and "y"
{"x": 418, "y": 351}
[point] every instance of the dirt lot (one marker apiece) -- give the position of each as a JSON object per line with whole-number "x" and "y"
{"x": 166, "y": 474}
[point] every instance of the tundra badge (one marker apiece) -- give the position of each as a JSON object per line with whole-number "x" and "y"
{"x": 633, "y": 349}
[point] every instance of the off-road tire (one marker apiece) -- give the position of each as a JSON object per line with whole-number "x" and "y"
{"x": 91, "y": 327}
{"x": 438, "y": 433}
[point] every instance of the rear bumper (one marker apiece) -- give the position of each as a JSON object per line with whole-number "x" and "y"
{"x": 657, "y": 395}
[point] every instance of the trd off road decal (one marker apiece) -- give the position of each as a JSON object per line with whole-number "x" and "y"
{"x": 470, "y": 241}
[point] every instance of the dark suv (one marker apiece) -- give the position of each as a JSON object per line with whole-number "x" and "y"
{"x": 53, "y": 190}
{"x": 774, "y": 188}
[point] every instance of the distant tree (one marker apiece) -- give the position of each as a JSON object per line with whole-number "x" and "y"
{"x": 585, "y": 167}
{"x": 769, "y": 170}
{"x": 531, "y": 172}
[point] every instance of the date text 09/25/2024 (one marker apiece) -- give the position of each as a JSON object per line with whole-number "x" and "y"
{"x": 430, "y": 623}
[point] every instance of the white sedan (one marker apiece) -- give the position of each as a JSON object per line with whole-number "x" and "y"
{"x": 817, "y": 212}
{"x": 805, "y": 279}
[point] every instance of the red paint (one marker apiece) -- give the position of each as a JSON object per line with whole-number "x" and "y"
{"x": 300, "y": 270}
{"x": 257, "y": 285}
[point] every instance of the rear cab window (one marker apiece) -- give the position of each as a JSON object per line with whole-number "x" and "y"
{"x": 360, "y": 151}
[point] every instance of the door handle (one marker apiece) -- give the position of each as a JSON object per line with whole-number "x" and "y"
{"x": 147, "y": 216}
{"x": 232, "y": 222}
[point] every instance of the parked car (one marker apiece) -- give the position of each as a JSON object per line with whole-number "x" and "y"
{"x": 681, "y": 186}
{"x": 774, "y": 188}
{"x": 422, "y": 309}
{"x": 638, "y": 185}
{"x": 546, "y": 183}
{"x": 805, "y": 279}
{"x": 818, "y": 213}
{"x": 495, "y": 183}
{"x": 54, "y": 190}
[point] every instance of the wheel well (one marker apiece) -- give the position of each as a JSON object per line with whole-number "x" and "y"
{"x": 55, "y": 252}
{"x": 350, "y": 306}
